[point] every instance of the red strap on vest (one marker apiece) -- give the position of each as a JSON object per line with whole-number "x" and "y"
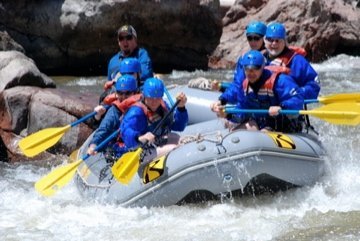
{"x": 298, "y": 50}
{"x": 285, "y": 58}
{"x": 278, "y": 69}
{"x": 109, "y": 99}
{"x": 124, "y": 105}
{"x": 268, "y": 85}
{"x": 150, "y": 115}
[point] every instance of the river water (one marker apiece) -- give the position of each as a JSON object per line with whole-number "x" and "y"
{"x": 330, "y": 210}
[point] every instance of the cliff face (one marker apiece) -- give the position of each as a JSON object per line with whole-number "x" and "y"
{"x": 324, "y": 28}
{"x": 79, "y": 36}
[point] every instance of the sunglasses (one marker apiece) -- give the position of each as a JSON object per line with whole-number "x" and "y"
{"x": 124, "y": 92}
{"x": 255, "y": 67}
{"x": 276, "y": 40}
{"x": 127, "y": 37}
{"x": 253, "y": 38}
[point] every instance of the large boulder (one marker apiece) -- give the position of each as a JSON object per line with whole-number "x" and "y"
{"x": 79, "y": 36}
{"x": 29, "y": 103}
{"x": 25, "y": 110}
{"x": 324, "y": 28}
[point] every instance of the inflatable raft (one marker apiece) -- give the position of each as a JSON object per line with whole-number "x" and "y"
{"x": 211, "y": 162}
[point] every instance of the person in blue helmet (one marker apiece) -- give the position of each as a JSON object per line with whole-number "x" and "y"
{"x": 263, "y": 89}
{"x": 255, "y": 32}
{"x": 141, "y": 119}
{"x": 130, "y": 66}
{"x": 125, "y": 86}
{"x": 290, "y": 59}
{"x": 127, "y": 41}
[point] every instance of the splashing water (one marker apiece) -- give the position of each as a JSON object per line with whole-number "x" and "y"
{"x": 327, "y": 211}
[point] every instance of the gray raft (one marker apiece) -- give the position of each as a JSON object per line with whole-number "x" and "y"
{"x": 211, "y": 163}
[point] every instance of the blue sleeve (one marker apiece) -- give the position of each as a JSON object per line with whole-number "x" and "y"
{"x": 108, "y": 125}
{"x": 232, "y": 92}
{"x": 239, "y": 74}
{"x": 305, "y": 76}
{"x": 241, "y": 103}
{"x": 133, "y": 125}
{"x": 288, "y": 93}
{"x": 146, "y": 65}
{"x": 113, "y": 66}
{"x": 181, "y": 119}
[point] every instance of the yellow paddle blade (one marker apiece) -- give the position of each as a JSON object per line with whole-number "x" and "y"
{"x": 125, "y": 168}
{"x": 55, "y": 180}
{"x": 342, "y": 97}
{"x": 344, "y": 113}
{"x": 73, "y": 156}
{"x": 38, "y": 142}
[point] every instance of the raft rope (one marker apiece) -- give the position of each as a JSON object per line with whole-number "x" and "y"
{"x": 198, "y": 137}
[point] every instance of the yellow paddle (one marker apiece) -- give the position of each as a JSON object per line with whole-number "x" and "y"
{"x": 74, "y": 155}
{"x": 342, "y": 97}
{"x": 344, "y": 113}
{"x": 55, "y": 180}
{"x": 126, "y": 166}
{"x": 40, "y": 141}
{"x": 328, "y": 99}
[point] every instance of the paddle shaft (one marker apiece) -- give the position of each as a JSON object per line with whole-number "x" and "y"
{"x": 224, "y": 84}
{"x": 88, "y": 116}
{"x": 289, "y": 112}
{"x": 162, "y": 121}
{"x": 327, "y": 99}
{"x": 102, "y": 144}
{"x": 84, "y": 118}
{"x": 168, "y": 96}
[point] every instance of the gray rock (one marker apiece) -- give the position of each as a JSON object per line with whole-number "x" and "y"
{"x": 17, "y": 69}
{"x": 7, "y": 43}
{"x": 25, "y": 110}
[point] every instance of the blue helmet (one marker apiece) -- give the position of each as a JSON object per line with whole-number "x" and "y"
{"x": 275, "y": 30}
{"x": 126, "y": 83}
{"x": 253, "y": 58}
{"x": 153, "y": 88}
{"x": 256, "y": 27}
{"x": 130, "y": 65}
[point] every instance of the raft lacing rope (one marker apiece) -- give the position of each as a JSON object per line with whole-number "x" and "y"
{"x": 198, "y": 137}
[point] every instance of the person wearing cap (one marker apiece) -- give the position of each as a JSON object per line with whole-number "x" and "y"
{"x": 127, "y": 41}
{"x": 255, "y": 32}
{"x": 279, "y": 54}
{"x": 125, "y": 86}
{"x": 140, "y": 121}
{"x": 264, "y": 89}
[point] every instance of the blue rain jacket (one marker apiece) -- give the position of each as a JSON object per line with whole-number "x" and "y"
{"x": 135, "y": 124}
{"x": 141, "y": 54}
{"x": 286, "y": 94}
{"x": 301, "y": 71}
